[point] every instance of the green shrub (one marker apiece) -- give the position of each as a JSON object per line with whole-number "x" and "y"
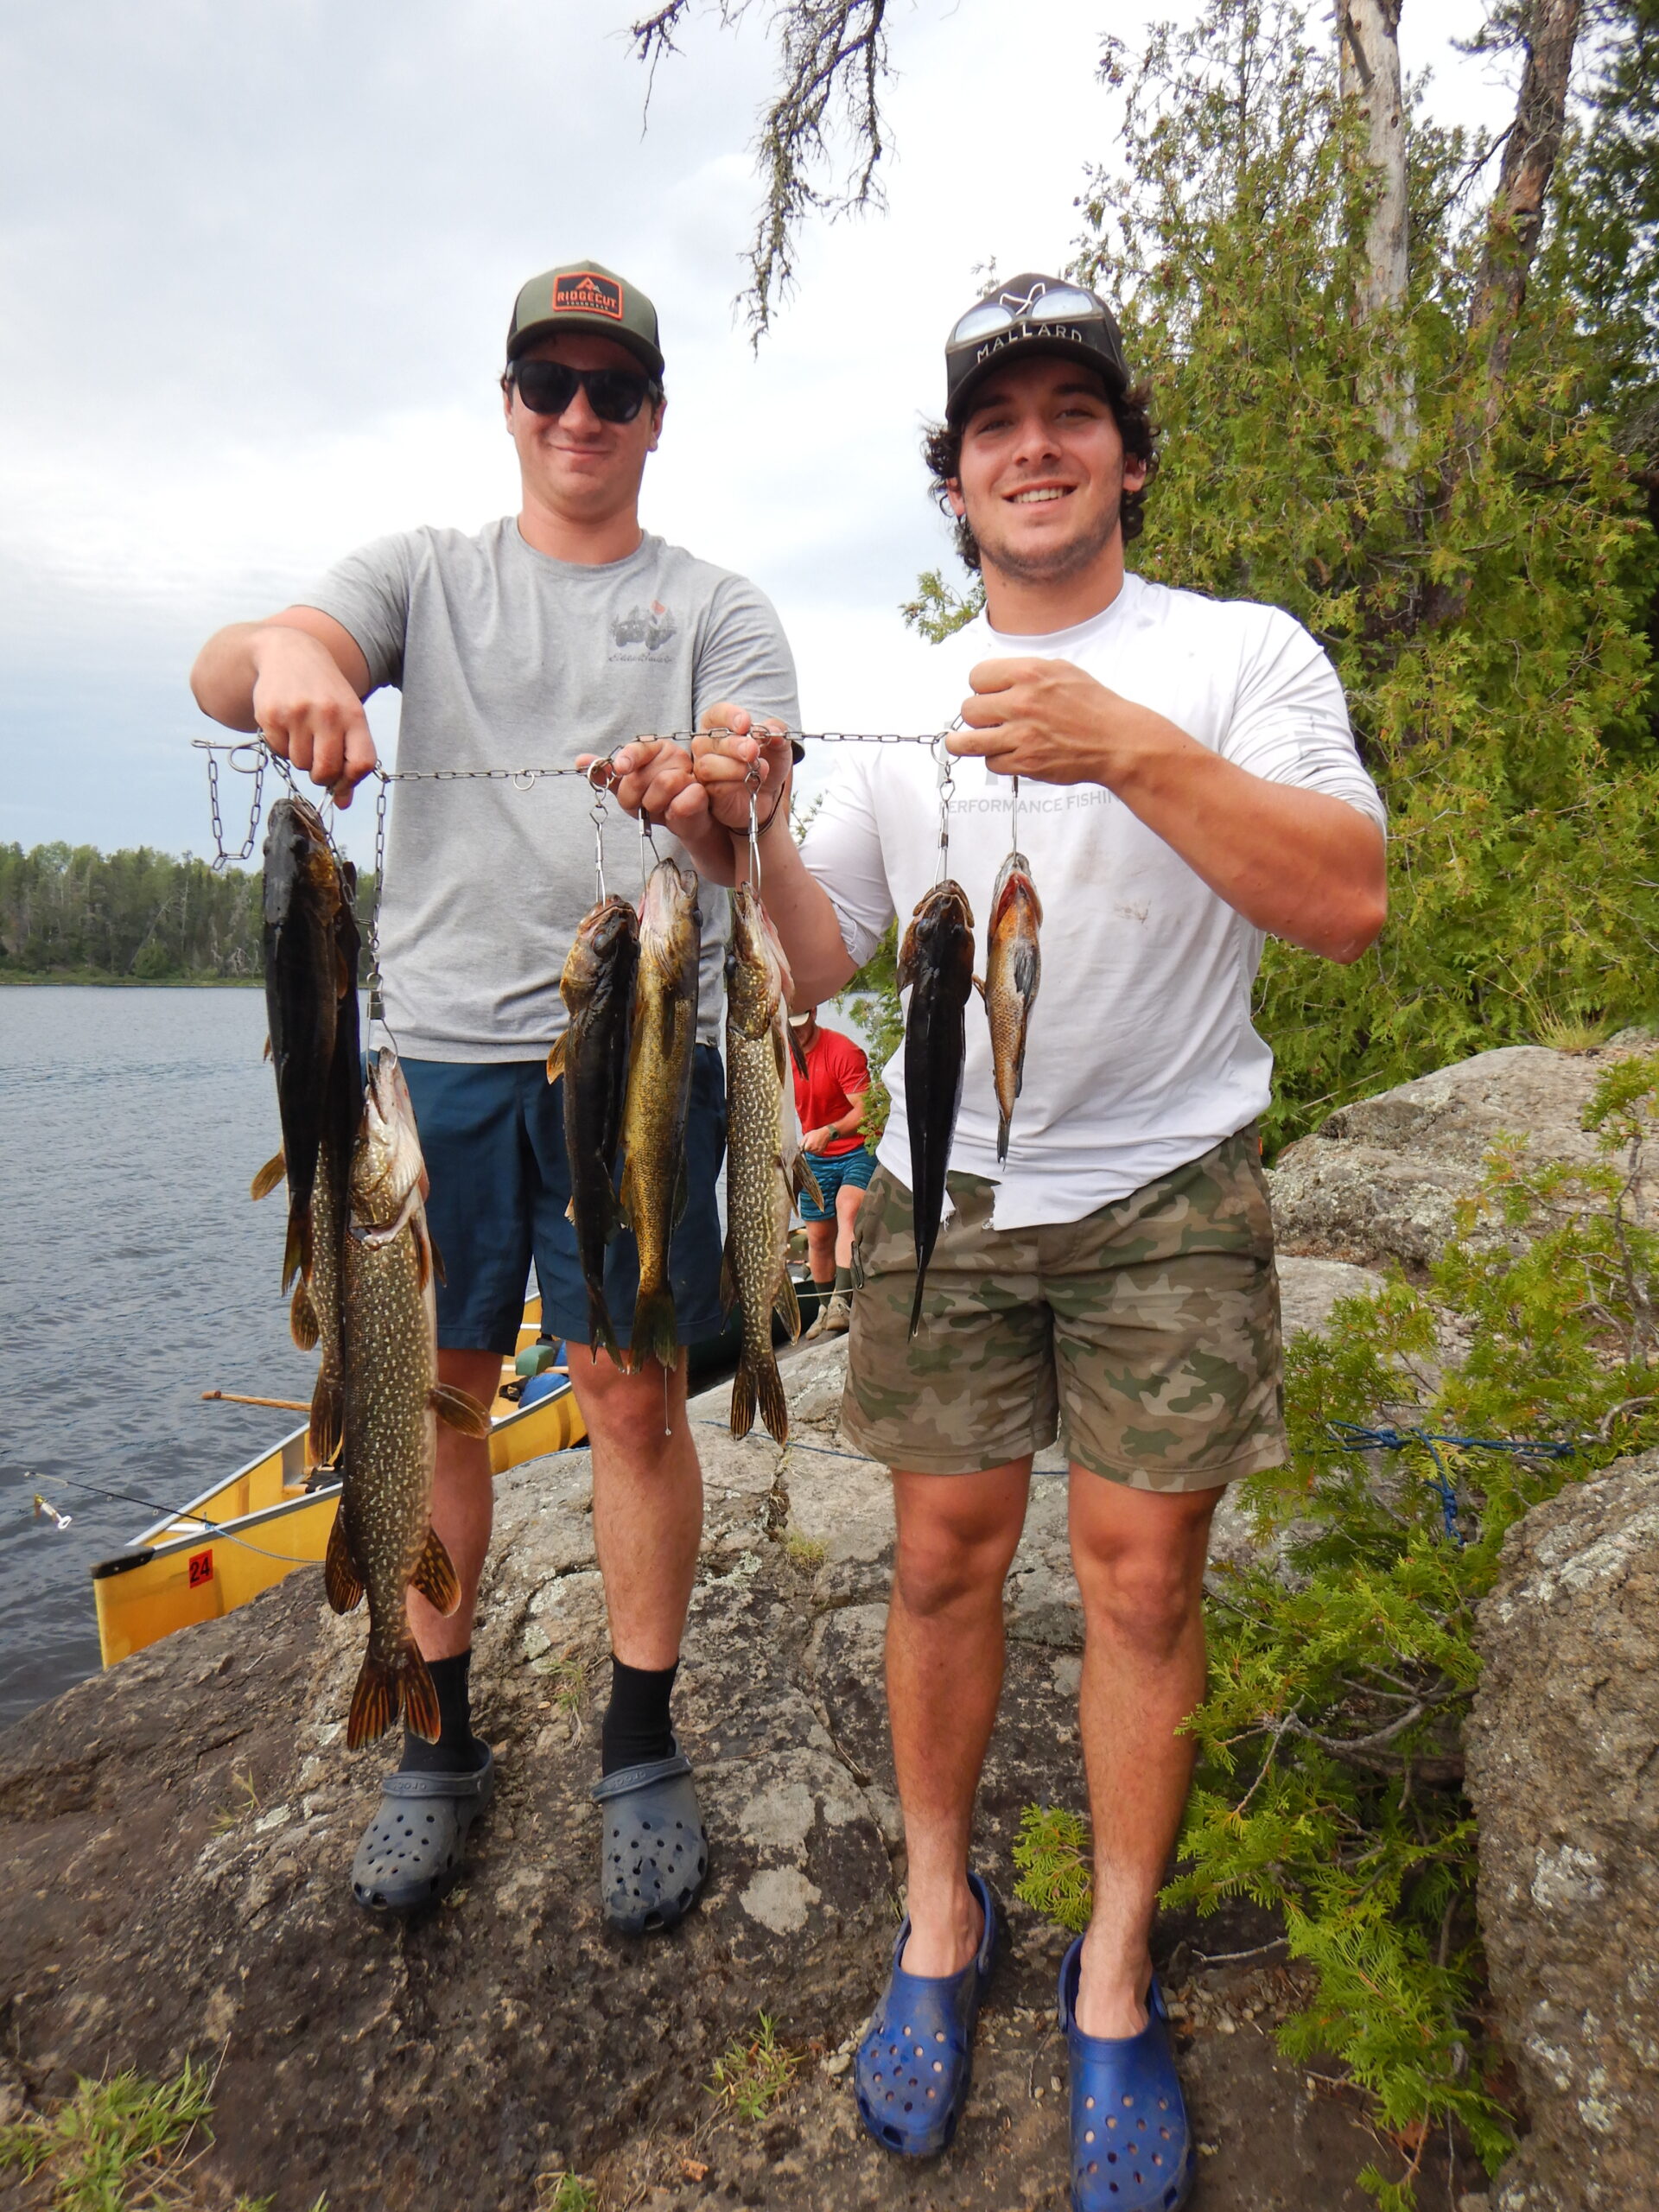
{"x": 1341, "y": 1667}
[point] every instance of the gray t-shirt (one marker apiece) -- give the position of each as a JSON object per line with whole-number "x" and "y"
{"x": 508, "y": 659}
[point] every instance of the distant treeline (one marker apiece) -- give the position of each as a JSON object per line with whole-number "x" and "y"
{"x": 142, "y": 915}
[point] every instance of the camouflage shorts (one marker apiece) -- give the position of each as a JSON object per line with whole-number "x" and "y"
{"x": 1148, "y": 1332}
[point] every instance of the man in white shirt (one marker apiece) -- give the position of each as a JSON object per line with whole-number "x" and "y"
{"x": 1188, "y": 784}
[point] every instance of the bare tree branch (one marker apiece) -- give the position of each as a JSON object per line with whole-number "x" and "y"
{"x": 1368, "y": 59}
{"x": 832, "y": 65}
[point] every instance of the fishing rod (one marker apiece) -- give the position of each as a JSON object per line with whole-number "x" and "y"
{"x": 216, "y": 1529}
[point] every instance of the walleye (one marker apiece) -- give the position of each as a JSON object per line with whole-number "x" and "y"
{"x": 383, "y": 1538}
{"x": 658, "y": 1098}
{"x": 1014, "y": 967}
{"x": 936, "y": 963}
{"x": 765, "y": 1167}
{"x": 306, "y": 981}
{"x": 597, "y": 988}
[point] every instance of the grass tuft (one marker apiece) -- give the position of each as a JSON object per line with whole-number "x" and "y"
{"x": 565, "y": 2192}
{"x": 751, "y": 2076}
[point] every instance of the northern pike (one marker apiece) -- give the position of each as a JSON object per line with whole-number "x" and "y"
{"x": 765, "y": 1167}
{"x": 658, "y": 1098}
{"x": 1014, "y": 967}
{"x": 592, "y": 1056}
{"x": 306, "y": 981}
{"x": 383, "y": 1538}
{"x": 936, "y": 964}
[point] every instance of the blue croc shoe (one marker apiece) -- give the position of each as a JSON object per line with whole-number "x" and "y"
{"x": 1131, "y": 2149}
{"x": 917, "y": 2058}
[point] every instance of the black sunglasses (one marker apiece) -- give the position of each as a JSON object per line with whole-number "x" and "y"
{"x": 549, "y": 387}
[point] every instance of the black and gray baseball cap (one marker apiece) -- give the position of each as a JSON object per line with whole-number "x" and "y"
{"x": 1046, "y": 314}
{"x": 585, "y": 296}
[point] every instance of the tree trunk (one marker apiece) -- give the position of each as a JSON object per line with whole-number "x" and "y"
{"x": 1517, "y": 217}
{"x": 1513, "y": 224}
{"x": 1368, "y": 54}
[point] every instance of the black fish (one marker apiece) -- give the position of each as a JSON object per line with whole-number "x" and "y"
{"x": 307, "y": 978}
{"x": 592, "y": 1056}
{"x": 936, "y": 964}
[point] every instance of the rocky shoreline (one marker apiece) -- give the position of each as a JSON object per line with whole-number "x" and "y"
{"x": 178, "y": 1833}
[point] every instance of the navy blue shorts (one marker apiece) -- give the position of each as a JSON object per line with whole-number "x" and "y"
{"x": 837, "y": 1171}
{"x": 493, "y": 1139}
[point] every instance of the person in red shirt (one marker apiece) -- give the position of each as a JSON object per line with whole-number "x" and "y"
{"x": 829, "y": 1100}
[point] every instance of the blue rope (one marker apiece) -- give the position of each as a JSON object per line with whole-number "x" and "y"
{"x": 1358, "y": 1439}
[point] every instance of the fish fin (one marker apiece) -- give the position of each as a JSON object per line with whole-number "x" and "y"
{"x": 265, "y": 1055}
{"x": 797, "y": 1052}
{"x": 556, "y": 1059}
{"x": 656, "y": 1335}
{"x": 459, "y": 1408}
{"x": 916, "y": 1304}
{"x": 340, "y": 1578}
{"x": 434, "y": 1576}
{"x": 979, "y": 986}
{"x": 343, "y": 976}
{"x": 625, "y": 1196}
{"x": 601, "y": 1331}
{"x": 728, "y": 1279}
{"x": 908, "y": 954}
{"x": 302, "y": 1318}
{"x": 1002, "y": 1132}
{"x": 327, "y": 1421}
{"x": 789, "y": 1306}
{"x": 614, "y": 1216}
{"x": 432, "y": 1247}
{"x": 743, "y": 1398}
{"x": 682, "y": 1193}
{"x": 269, "y": 1177}
{"x": 801, "y": 1179}
{"x": 774, "y": 1407}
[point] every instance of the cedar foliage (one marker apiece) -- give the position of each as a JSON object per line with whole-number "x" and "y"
{"x": 1341, "y": 1667}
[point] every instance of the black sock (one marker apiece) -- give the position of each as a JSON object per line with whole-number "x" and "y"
{"x": 636, "y": 1726}
{"x": 457, "y": 1750}
{"x": 823, "y": 1289}
{"x": 843, "y": 1282}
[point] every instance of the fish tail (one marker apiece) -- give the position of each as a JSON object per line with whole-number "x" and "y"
{"x": 774, "y": 1407}
{"x": 916, "y": 1304}
{"x": 1003, "y": 1124}
{"x": 384, "y": 1686}
{"x": 601, "y": 1330}
{"x": 656, "y": 1334}
{"x": 296, "y": 1252}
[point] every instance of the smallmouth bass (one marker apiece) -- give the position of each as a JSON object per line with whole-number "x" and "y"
{"x": 592, "y": 1056}
{"x": 664, "y": 1038}
{"x": 936, "y": 964}
{"x": 1014, "y": 969}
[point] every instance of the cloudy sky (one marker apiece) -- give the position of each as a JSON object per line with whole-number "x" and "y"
{"x": 258, "y": 263}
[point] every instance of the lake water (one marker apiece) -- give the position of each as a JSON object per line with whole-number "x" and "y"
{"x": 135, "y": 1273}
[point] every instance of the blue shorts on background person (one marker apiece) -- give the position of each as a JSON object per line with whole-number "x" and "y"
{"x": 492, "y": 1136}
{"x": 834, "y": 1172}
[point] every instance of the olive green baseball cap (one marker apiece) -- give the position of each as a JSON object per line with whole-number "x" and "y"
{"x": 585, "y": 296}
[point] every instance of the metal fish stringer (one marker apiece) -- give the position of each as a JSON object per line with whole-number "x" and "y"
{"x": 596, "y": 816}
{"x": 946, "y": 760}
{"x": 752, "y": 781}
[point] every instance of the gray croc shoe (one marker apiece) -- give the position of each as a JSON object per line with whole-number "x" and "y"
{"x": 654, "y": 1854}
{"x": 410, "y": 1851}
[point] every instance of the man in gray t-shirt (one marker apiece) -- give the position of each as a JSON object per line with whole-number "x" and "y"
{"x": 548, "y": 637}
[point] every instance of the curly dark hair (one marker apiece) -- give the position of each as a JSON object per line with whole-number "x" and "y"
{"x": 942, "y": 450}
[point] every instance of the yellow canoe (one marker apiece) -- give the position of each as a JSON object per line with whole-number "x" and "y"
{"x": 257, "y": 1525}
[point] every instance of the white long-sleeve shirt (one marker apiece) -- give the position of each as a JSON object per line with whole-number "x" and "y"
{"x": 1140, "y": 1054}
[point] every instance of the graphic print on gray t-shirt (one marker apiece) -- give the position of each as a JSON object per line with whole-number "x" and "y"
{"x": 506, "y": 658}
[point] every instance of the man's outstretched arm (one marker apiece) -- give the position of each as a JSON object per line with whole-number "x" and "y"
{"x": 299, "y": 678}
{"x": 1300, "y": 864}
